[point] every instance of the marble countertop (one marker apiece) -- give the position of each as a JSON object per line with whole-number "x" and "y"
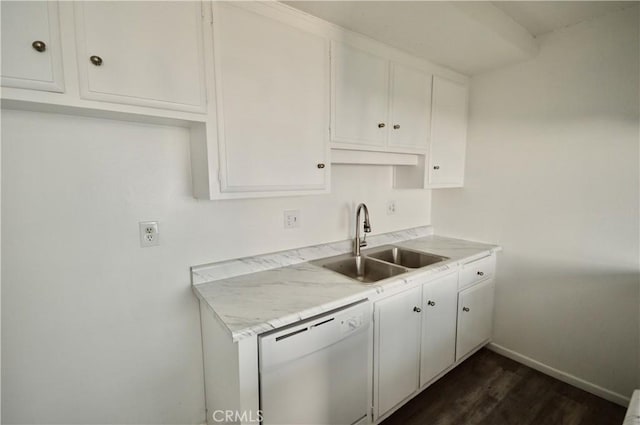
{"x": 262, "y": 301}
{"x": 254, "y": 295}
{"x": 455, "y": 249}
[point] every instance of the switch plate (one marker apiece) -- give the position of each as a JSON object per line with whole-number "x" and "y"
{"x": 391, "y": 207}
{"x": 291, "y": 219}
{"x": 149, "y": 233}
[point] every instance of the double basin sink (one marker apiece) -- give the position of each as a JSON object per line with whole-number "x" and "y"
{"x": 379, "y": 263}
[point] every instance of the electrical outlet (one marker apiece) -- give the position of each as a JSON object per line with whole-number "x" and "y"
{"x": 291, "y": 219}
{"x": 149, "y": 234}
{"x": 391, "y": 207}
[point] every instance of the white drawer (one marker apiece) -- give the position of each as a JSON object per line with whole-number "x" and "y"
{"x": 477, "y": 270}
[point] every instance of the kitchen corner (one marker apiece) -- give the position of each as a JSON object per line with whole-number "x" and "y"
{"x": 179, "y": 180}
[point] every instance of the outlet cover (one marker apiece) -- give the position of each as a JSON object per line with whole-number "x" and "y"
{"x": 291, "y": 219}
{"x": 391, "y": 207}
{"x": 149, "y": 234}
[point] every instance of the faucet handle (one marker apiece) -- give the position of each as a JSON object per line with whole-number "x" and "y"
{"x": 363, "y": 242}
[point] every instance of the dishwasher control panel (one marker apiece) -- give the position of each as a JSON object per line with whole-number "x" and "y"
{"x": 351, "y": 323}
{"x": 298, "y": 364}
{"x": 310, "y": 335}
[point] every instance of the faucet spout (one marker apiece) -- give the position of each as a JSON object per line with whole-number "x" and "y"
{"x": 357, "y": 243}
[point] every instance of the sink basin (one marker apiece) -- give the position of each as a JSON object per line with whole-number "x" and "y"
{"x": 362, "y": 269}
{"x": 405, "y": 257}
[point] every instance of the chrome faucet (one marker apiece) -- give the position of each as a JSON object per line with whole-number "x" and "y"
{"x": 357, "y": 243}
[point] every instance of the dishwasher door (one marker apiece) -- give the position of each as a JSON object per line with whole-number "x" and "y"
{"x": 317, "y": 372}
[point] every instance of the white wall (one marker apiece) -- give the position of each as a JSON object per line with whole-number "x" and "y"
{"x": 0, "y": 282}
{"x": 96, "y": 329}
{"x": 552, "y": 175}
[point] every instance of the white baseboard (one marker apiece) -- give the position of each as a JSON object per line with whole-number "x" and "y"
{"x": 560, "y": 375}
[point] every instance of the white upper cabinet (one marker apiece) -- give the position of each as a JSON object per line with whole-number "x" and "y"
{"x": 142, "y": 53}
{"x": 360, "y": 96}
{"x": 273, "y": 104}
{"x": 378, "y": 105}
{"x": 265, "y": 90}
{"x": 448, "y": 134}
{"x": 31, "y": 53}
{"x": 410, "y": 108}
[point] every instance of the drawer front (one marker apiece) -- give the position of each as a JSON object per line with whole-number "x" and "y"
{"x": 476, "y": 271}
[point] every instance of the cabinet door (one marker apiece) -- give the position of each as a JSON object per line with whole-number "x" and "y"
{"x": 142, "y": 53}
{"x": 397, "y": 349}
{"x": 448, "y": 133}
{"x": 273, "y": 101}
{"x": 410, "y": 108}
{"x": 439, "y": 300}
{"x": 360, "y": 97}
{"x": 31, "y": 54}
{"x": 475, "y": 317}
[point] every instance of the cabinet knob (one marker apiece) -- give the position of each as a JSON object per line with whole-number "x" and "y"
{"x": 396, "y": 126}
{"x": 96, "y": 60}
{"x": 381, "y": 125}
{"x": 321, "y": 165}
{"x": 480, "y": 273}
{"x": 436, "y": 167}
{"x": 39, "y": 46}
{"x": 417, "y": 309}
{"x": 465, "y": 309}
{"x": 431, "y": 303}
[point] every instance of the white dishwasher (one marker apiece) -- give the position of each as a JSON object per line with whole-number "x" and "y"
{"x": 317, "y": 371}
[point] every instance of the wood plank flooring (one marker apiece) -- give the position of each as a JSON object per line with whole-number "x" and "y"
{"x": 489, "y": 389}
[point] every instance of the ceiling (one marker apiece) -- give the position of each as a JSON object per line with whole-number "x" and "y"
{"x": 540, "y": 17}
{"x": 470, "y": 37}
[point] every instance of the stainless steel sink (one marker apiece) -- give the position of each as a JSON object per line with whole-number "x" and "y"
{"x": 361, "y": 268}
{"x": 379, "y": 263}
{"x": 404, "y": 257}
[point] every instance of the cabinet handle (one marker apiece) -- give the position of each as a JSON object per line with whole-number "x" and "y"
{"x": 39, "y": 46}
{"x": 96, "y": 60}
{"x": 465, "y": 309}
{"x": 381, "y": 125}
{"x": 321, "y": 165}
{"x": 480, "y": 273}
{"x": 436, "y": 167}
{"x": 431, "y": 303}
{"x": 417, "y": 309}
{"x": 396, "y": 126}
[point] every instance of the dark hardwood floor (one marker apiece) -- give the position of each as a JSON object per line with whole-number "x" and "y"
{"x": 489, "y": 389}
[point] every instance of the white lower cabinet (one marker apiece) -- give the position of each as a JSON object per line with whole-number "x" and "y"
{"x": 439, "y": 300}
{"x": 396, "y": 349}
{"x": 475, "y": 317}
{"x": 414, "y": 340}
{"x": 422, "y": 332}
